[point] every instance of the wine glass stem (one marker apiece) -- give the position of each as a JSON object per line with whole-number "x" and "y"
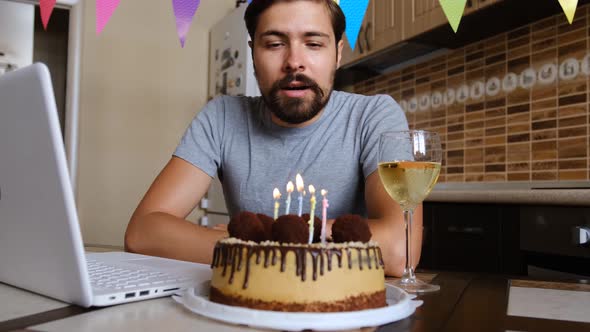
{"x": 409, "y": 270}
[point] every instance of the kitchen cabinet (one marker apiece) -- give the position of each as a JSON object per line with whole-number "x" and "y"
{"x": 472, "y": 237}
{"x": 556, "y": 239}
{"x": 421, "y": 16}
{"x": 424, "y": 15}
{"x": 388, "y": 22}
{"x": 534, "y": 240}
{"x": 484, "y": 3}
{"x": 382, "y": 27}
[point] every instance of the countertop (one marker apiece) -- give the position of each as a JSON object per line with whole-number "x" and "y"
{"x": 544, "y": 193}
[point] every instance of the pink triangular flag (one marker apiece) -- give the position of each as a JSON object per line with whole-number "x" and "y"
{"x": 46, "y": 10}
{"x": 184, "y": 11}
{"x": 104, "y": 11}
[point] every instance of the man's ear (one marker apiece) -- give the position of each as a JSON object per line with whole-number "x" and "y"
{"x": 339, "y": 50}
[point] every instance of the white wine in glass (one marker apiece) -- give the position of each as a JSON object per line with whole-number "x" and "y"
{"x": 409, "y": 165}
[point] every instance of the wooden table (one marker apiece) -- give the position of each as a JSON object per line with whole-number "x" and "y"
{"x": 465, "y": 302}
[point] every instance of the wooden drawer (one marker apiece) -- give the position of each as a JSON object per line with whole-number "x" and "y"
{"x": 550, "y": 230}
{"x": 466, "y": 237}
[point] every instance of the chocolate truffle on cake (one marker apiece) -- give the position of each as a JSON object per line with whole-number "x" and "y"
{"x": 267, "y": 222}
{"x": 317, "y": 226}
{"x": 350, "y": 228}
{"x": 246, "y": 226}
{"x": 290, "y": 229}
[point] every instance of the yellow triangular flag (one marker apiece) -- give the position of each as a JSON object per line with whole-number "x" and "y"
{"x": 453, "y": 9}
{"x": 569, "y": 8}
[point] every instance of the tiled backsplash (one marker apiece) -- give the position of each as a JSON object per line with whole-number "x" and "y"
{"x": 513, "y": 107}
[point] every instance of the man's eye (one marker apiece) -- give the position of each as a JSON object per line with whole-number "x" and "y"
{"x": 314, "y": 45}
{"x": 274, "y": 45}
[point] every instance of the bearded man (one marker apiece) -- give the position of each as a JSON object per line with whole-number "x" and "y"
{"x": 298, "y": 125}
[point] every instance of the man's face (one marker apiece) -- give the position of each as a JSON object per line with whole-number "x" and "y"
{"x": 295, "y": 59}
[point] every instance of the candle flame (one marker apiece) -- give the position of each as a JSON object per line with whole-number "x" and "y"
{"x": 276, "y": 194}
{"x": 290, "y": 187}
{"x": 299, "y": 182}
{"x": 324, "y": 192}
{"x": 311, "y": 189}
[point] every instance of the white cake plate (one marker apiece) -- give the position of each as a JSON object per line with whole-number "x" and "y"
{"x": 400, "y": 305}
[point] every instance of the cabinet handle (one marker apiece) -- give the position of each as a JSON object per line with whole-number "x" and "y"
{"x": 358, "y": 41}
{"x": 469, "y": 3}
{"x": 581, "y": 235}
{"x": 465, "y": 230}
{"x": 367, "y": 36}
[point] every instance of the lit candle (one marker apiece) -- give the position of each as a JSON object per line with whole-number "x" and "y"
{"x": 324, "y": 214}
{"x": 311, "y": 213}
{"x": 289, "y": 191}
{"x": 300, "y": 187}
{"x": 276, "y": 194}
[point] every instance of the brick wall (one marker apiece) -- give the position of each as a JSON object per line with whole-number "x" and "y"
{"x": 513, "y": 107}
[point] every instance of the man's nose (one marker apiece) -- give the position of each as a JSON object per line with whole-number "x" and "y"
{"x": 294, "y": 61}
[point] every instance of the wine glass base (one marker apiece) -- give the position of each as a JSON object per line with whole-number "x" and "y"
{"x": 415, "y": 286}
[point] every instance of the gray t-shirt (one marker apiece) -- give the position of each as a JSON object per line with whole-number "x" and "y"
{"x": 234, "y": 137}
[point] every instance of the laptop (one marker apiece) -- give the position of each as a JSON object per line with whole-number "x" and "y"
{"x": 41, "y": 248}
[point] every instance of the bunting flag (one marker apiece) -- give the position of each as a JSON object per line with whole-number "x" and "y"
{"x": 569, "y": 8}
{"x": 336, "y": 1}
{"x": 453, "y": 9}
{"x": 184, "y": 11}
{"x": 104, "y": 11}
{"x": 354, "y": 11}
{"x": 46, "y": 7}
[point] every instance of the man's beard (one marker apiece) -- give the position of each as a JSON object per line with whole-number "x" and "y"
{"x": 295, "y": 110}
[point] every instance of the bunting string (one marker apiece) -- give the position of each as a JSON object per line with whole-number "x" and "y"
{"x": 354, "y": 11}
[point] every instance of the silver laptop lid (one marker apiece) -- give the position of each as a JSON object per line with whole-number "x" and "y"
{"x": 41, "y": 247}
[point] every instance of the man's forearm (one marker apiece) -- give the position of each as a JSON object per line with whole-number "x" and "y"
{"x": 391, "y": 236}
{"x": 164, "y": 235}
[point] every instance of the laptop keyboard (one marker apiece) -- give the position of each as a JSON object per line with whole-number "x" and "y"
{"x": 104, "y": 276}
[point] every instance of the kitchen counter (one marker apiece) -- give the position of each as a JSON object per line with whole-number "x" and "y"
{"x": 551, "y": 193}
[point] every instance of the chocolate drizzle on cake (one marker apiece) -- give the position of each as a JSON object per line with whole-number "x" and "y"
{"x": 225, "y": 254}
{"x": 369, "y": 258}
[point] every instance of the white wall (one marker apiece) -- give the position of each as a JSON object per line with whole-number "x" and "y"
{"x": 16, "y": 32}
{"x": 139, "y": 91}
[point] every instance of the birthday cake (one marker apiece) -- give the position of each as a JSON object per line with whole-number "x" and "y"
{"x": 268, "y": 264}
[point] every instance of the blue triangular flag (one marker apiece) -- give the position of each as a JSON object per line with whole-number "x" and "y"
{"x": 354, "y": 11}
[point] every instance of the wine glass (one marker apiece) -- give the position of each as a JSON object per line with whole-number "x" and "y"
{"x": 409, "y": 165}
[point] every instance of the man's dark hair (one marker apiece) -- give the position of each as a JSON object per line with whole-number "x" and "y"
{"x": 257, "y": 7}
